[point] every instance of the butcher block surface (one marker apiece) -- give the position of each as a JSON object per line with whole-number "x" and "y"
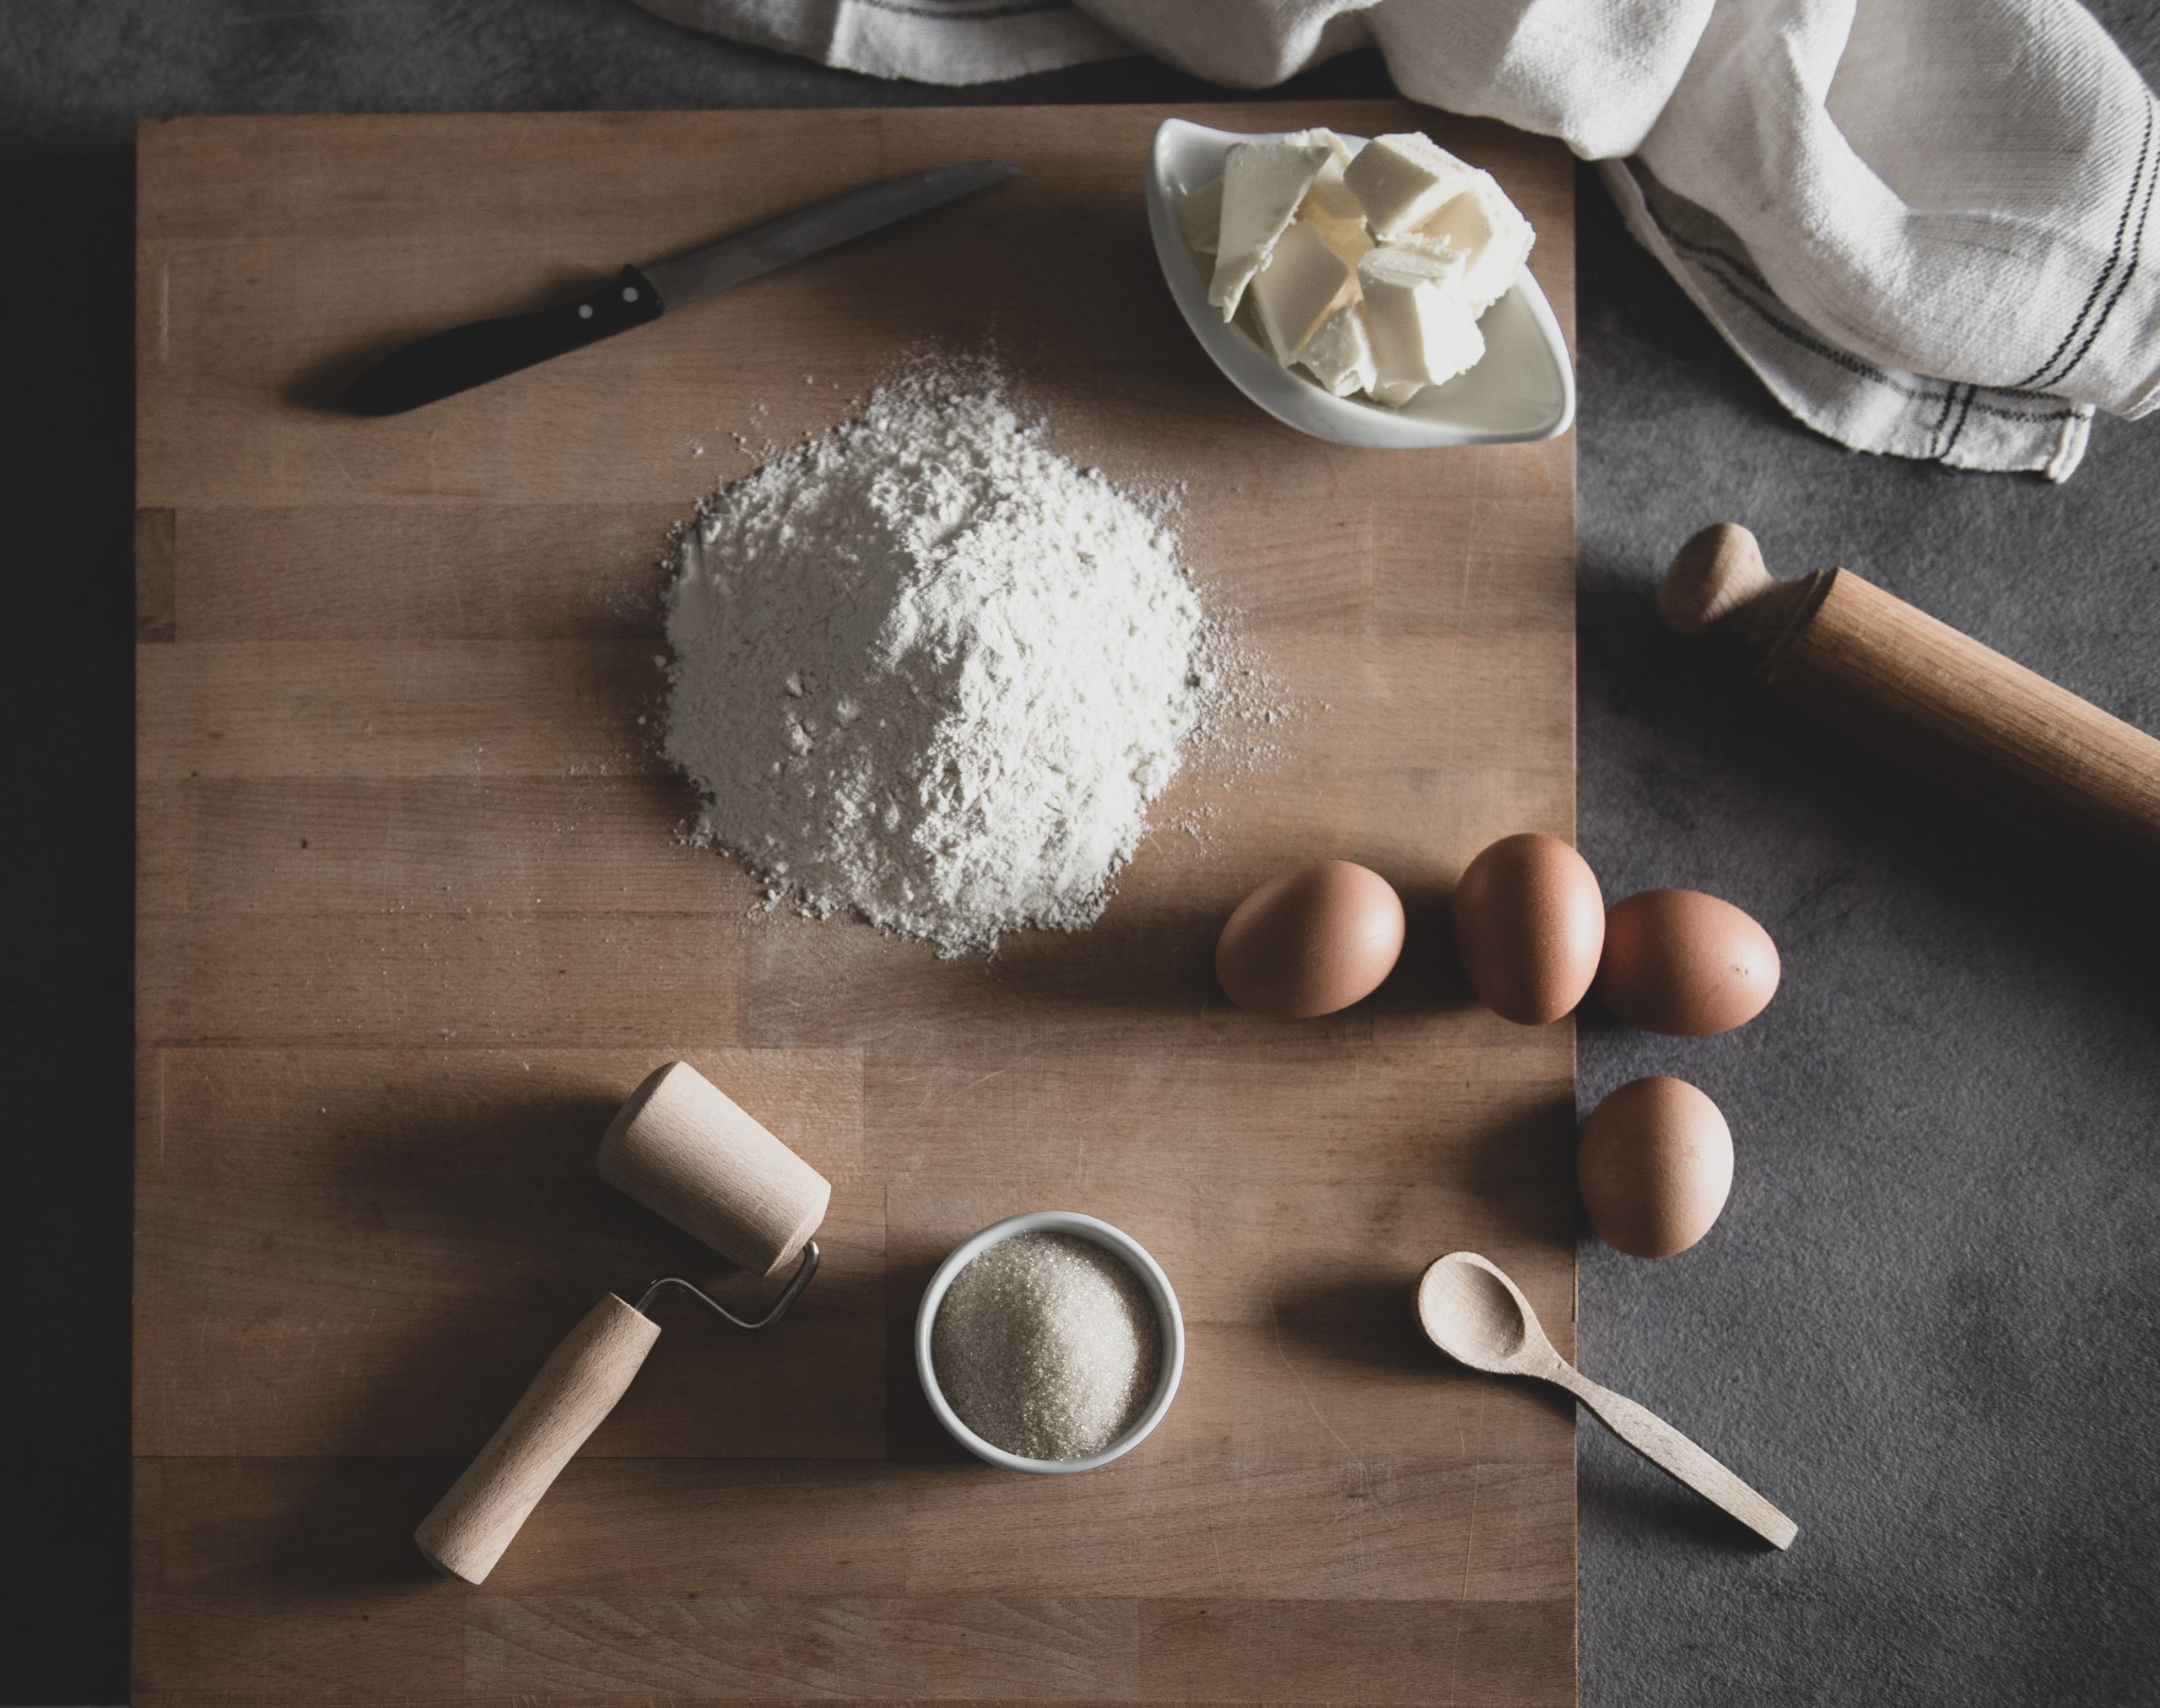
{"x": 413, "y": 916}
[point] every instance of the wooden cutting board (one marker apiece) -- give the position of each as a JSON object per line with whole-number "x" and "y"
{"x": 413, "y": 917}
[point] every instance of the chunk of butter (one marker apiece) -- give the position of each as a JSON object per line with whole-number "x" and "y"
{"x": 1320, "y": 133}
{"x": 1263, "y": 182}
{"x": 1488, "y": 230}
{"x": 1329, "y": 196}
{"x": 1339, "y": 353}
{"x": 1402, "y": 180}
{"x": 1345, "y": 234}
{"x": 1331, "y": 210}
{"x": 1247, "y": 321}
{"x": 1304, "y": 282}
{"x": 1200, "y": 215}
{"x": 1423, "y": 330}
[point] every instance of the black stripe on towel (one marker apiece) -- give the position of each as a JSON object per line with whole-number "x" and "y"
{"x": 2136, "y": 254}
{"x": 1958, "y": 432}
{"x": 2107, "y": 272}
{"x": 1715, "y": 261}
{"x": 957, "y": 11}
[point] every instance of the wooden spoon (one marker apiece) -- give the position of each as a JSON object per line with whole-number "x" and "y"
{"x": 1476, "y": 1315}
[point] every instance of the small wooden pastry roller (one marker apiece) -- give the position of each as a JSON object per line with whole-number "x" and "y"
{"x": 681, "y": 1147}
{"x": 1919, "y": 693}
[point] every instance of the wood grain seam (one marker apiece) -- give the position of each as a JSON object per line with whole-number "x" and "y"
{"x": 156, "y": 566}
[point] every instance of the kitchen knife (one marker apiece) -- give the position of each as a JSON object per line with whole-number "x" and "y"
{"x": 472, "y": 355}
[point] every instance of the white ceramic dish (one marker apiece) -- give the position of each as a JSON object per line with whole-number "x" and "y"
{"x": 1524, "y": 389}
{"x": 1113, "y": 1240}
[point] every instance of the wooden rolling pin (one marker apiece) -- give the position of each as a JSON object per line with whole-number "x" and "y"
{"x": 1921, "y": 694}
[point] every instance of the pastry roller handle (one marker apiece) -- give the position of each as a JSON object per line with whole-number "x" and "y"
{"x": 575, "y": 1391}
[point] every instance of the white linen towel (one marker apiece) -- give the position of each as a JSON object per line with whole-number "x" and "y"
{"x": 1923, "y": 223}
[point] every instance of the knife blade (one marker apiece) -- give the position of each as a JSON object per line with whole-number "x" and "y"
{"x": 448, "y": 362}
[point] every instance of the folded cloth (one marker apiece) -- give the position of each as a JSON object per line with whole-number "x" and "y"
{"x": 1922, "y": 223}
{"x": 947, "y": 41}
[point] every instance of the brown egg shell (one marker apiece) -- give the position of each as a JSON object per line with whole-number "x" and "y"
{"x": 1311, "y": 940}
{"x": 1654, "y": 1167}
{"x": 1685, "y": 964}
{"x": 1529, "y": 922}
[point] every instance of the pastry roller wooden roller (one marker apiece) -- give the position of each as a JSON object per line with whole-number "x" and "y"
{"x": 681, "y": 1147}
{"x": 1919, "y": 693}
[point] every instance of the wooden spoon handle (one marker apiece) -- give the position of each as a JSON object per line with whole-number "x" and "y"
{"x": 1665, "y": 1446}
{"x": 576, "y": 1388}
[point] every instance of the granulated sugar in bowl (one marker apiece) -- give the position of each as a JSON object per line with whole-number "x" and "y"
{"x": 1050, "y": 1342}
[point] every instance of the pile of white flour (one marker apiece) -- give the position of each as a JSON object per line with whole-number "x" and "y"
{"x": 928, "y": 670}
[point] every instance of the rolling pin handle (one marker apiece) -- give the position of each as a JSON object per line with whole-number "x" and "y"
{"x": 1915, "y": 690}
{"x": 574, "y": 1392}
{"x": 1718, "y": 581}
{"x": 1717, "y": 573}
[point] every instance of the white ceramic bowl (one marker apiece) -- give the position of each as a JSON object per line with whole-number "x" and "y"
{"x": 1113, "y": 1240}
{"x": 1524, "y": 389}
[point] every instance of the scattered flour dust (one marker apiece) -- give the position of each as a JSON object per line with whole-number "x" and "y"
{"x": 928, "y": 670}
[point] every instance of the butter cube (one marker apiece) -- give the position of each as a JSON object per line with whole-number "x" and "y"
{"x": 1402, "y": 180}
{"x": 1333, "y": 212}
{"x": 1423, "y": 328}
{"x": 1247, "y": 321}
{"x": 1304, "y": 282}
{"x": 1200, "y": 216}
{"x": 1320, "y": 133}
{"x": 1329, "y": 195}
{"x": 1263, "y": 182}
{"x": 1488, "y": 230}
{"x": 1331, "y": 208}
{"x": 1339, "y": 353}
{"x": 1348, "y": 238}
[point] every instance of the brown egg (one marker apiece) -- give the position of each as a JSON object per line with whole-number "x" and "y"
{"x": 1655, "y": 1166}
{"x": 1529, "y": 921}
{"x": 1311, "y": 940}
{"x": 1681, "y": 962}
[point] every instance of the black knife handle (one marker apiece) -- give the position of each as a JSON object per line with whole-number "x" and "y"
{"x": 472, "y": 355}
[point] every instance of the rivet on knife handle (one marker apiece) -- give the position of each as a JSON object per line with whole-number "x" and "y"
{"x": 472, "y": 355}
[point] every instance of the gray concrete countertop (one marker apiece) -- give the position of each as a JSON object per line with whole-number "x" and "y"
{"x": 1925, "y": 1324}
